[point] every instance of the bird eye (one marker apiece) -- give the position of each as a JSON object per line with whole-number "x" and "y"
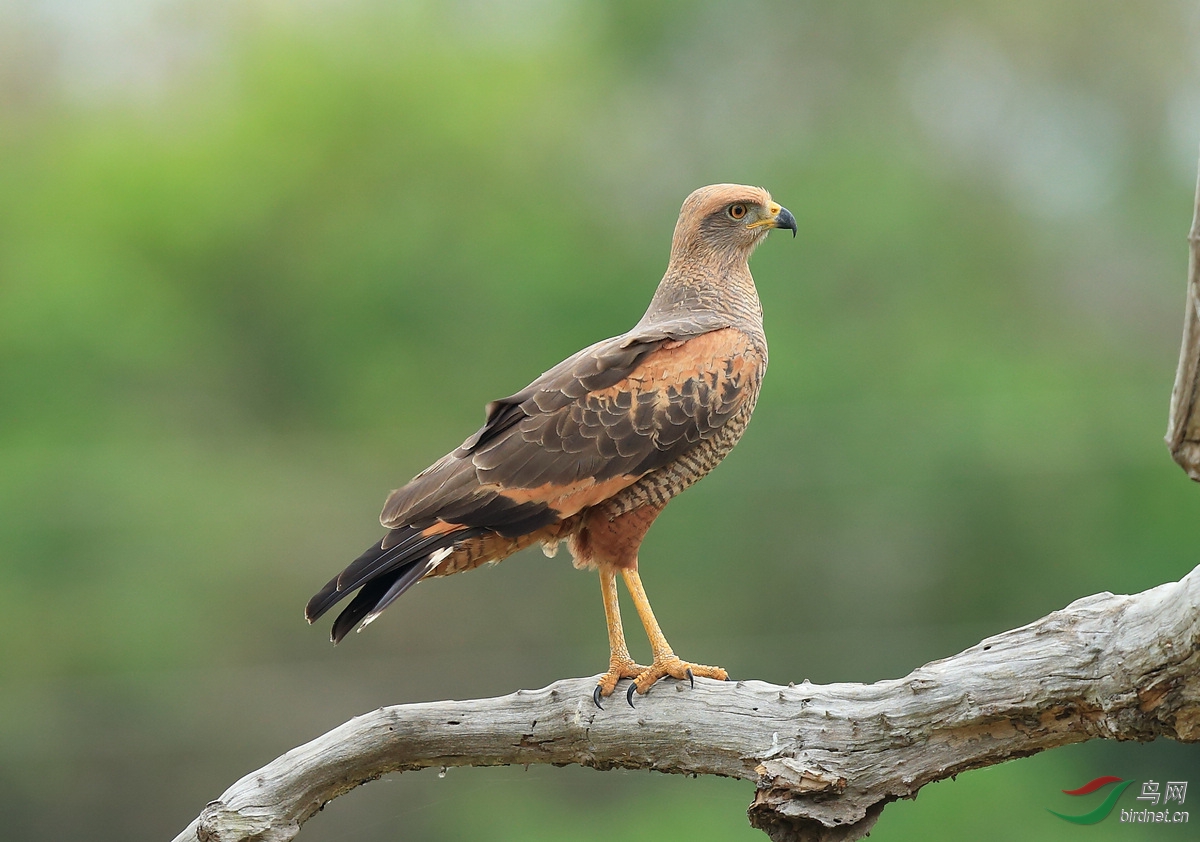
{"x": 737, "y": 211}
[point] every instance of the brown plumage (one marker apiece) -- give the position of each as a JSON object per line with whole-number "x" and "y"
{"x": 591, "y": 451}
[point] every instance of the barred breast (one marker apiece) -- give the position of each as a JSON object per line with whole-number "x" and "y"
{"x": 656, "y": 488}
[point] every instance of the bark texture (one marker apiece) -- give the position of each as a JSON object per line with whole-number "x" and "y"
{"x": 825, "y": 759}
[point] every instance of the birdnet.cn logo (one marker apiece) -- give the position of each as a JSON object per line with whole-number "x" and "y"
{"x": 1167, "y": 796}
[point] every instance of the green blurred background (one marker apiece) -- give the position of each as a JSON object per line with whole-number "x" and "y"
{"x": 260, "y": 262}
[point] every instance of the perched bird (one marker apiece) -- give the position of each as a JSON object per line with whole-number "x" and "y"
{"x": 590, "y": 452}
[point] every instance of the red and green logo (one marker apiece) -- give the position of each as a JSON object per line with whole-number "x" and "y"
{"x": 1101, "y": 812}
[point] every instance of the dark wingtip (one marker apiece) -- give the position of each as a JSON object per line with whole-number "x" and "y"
{"x": 312, "y": 612}
{"x": 322, "y": 601}
{"x": 349, "y": 579}
{"x": 340, "y": 629}
{"x": 350, "y": 617}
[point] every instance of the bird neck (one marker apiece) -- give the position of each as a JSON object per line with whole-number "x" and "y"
{"x": 718, "y": 284}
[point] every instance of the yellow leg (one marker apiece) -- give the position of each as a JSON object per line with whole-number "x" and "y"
{"x": 620, "y": 665}
{"x": 665, "y": 663}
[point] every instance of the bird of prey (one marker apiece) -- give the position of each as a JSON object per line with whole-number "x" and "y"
{"x": 590, "y": 452}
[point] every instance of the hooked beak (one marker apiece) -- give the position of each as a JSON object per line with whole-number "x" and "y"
{"x": 785, "y": 220}
{"x": 778, "y": 217}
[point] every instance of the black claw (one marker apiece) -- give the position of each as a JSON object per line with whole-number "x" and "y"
{"x": 596, "y": 697}
{"x": 691, "y": 678}
{"x": 632, "y": 690}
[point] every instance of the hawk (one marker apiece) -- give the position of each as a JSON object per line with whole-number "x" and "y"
{"x": 590, "y": 452}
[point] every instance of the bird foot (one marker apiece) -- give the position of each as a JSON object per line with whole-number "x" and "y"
{"x": 618, "y": 668}
{"x": 676, "y": 668}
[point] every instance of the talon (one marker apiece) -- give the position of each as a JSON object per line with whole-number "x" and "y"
{"x": 632, "y": 690}
{"x": 673, "y": 667}
{"x": 596, "y": 697}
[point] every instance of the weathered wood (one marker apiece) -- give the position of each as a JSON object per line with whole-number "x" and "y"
{"x": 825, "y": 759}
{"x": 1183, "y": 423}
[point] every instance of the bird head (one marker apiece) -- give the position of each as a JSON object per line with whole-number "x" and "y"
{"x": 728, "y": 221}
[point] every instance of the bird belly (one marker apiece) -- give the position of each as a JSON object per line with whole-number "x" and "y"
{"x": 614, "y": 542}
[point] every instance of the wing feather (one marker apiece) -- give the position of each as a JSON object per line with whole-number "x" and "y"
{"x": 615, "y": 411}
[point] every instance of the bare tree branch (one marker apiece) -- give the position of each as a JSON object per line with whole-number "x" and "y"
{"x": 825, "y": 759}
{"x": 1183, "y": 423}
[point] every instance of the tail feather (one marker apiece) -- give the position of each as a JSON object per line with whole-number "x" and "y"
{"x": 379, "y": 559}
{"x": 363, "y": 607}
{"x": 383, "y": 574}
{"x": 391, "y": 552}
{"x": 405, "y": 581}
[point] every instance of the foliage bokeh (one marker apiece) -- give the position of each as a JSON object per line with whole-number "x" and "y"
{"x": 261, "y": 262}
